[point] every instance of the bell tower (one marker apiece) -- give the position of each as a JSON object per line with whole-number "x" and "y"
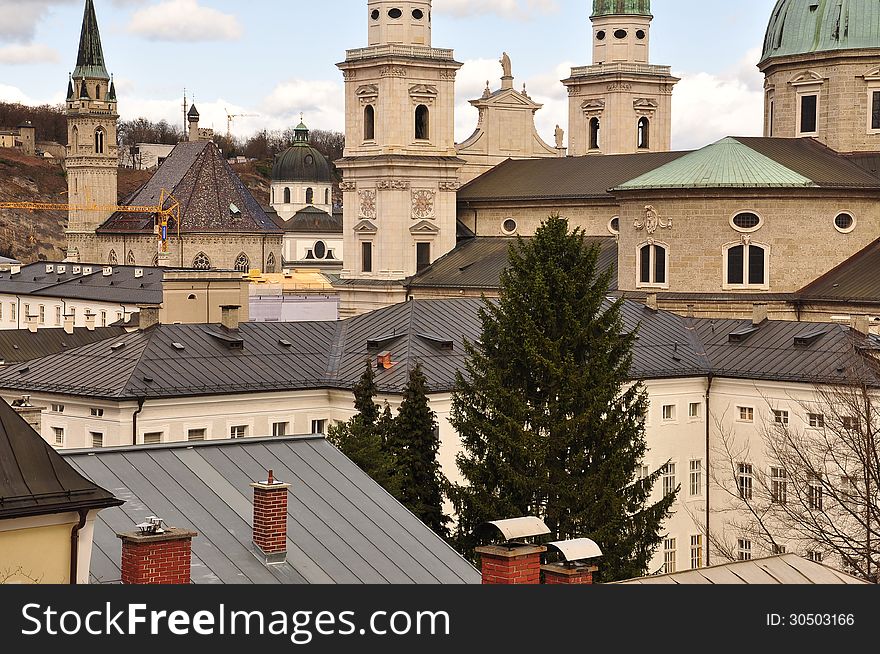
{"x": 621, "y": 104}
{"x": 400, "y": 169}
{"x": 92, "y": 154}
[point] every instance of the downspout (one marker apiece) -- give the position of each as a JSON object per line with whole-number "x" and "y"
{"x": 74, "y": 545}
{"x": 134, "y": 420}
{"x": 709, "y": 379}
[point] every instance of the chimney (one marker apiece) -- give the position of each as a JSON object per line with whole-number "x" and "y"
{"x": 69, "y": 319}
{"x": 31, "y": 321}
{"x": 861, "y": 324}
{"x": 230, "y": 316}
{"x": 32, "y": 415}
{"x": 516, "y": 562}
{"x": 148, "y": 316}
{"x": 759, "y": 313}
{"x": 651, "y": 302}
{"x": 690, "y": 311}
{"x": 90, "y": 321}
{"x": 270, "y": 520}
{"x": 573, "y": 568}
{"x": 155, "y": 554}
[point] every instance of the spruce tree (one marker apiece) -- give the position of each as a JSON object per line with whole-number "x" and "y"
{"x": 550, "y": 423}
{"x": 363, "y": 438}
{"x": 414, "y": 444}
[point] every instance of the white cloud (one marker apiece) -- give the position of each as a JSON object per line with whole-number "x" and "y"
{"x": 19, "y": 18}
{"x": 14, "y": 94}
{"x": 27, "y": 54}
{"x": 184, "y": 20}
{"x": 519, "y": 9}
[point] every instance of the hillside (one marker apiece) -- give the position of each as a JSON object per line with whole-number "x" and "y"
{"x": 30, "y": 235}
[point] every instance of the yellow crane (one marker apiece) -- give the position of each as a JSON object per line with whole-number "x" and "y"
{"x": 163, "y": 214}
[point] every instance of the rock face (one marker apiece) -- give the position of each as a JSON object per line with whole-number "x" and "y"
{"x": 39, "y": 235}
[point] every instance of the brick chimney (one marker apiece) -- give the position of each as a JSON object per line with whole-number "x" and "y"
{"x": 560, "y": 573}
{"x": 573, "y": 568}
{"x": 155, "y": 555}
{"x": 270, "y": 520}
{"x": 505, "y": 565}
{"x": 148, "y": 316}
{"x": 230, "y": 316}
{"x": 69, "y": 320}
{"x": 90, "y": 321}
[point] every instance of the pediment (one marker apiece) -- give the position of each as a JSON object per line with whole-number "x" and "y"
{"x": 366, "y": 227}
{"x": 423, "y": 90}
{"x": 424, "y": 227}
{"x": 645, "y": 103}
{"x": 367, "y": 91}
{"x": 593, "y": 105}
{"x": 807, "y": 77}
{"x": 873, "y": 74}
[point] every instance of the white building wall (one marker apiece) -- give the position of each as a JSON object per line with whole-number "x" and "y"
{"x": 14, "y": 308}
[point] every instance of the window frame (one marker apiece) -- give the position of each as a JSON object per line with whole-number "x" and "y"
{"x": 238, "y": 431}
{"x": 671, "y": 415}
{"x": 652, "y": 265}
{"x": 695, "y": 477}
{"x": 421, "y": 264}
{"x": 745, "y": 480}
{"x": 59, "y": 436}
{"x": 696, "y": 551}
{"x": 669, "y": 479}
{"x": 778, "y": 485}
{"x": 873, "y": 97}
{"x": 367, "y": 246}
{"x": 276, "y": 424}
{"x": 747, "y": 230}
{"x": 801, "y": 96}
{"x": 750, "y": 412}
{"x": 670, "y": 556}
{"x": 744, "y": 549}
{"x": 725, "y": 281}
{"x": 781, "y": 417}
{"x": 695, "y": 416}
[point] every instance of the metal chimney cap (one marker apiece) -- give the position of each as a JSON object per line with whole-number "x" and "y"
{"x": 578, "y": 549}
{"x": 515, "y": 528}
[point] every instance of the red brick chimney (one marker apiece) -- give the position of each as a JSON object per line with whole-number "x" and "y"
{"x": 505, "y": 565}
{"x": 559, "y": 573}
{"x": 573, "y": 569}
{"x": 153, "y": 555}
{"x": 270, "y": 520}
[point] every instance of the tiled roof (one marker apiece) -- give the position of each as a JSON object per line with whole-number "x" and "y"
{"x": 343, "y": 528}
{"x": 120, "y": 287}
{"x": 35, "y": 480}
{"x": 212, "y": 197}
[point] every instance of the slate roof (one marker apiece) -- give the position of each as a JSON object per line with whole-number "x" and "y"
{"x": 477, "y": 263}
{"x": 18, "y": 345}
{"x": 35, "y": 480}
{"x": 855, "y": 280}
{"x": 204, "y": 183}
{"x": 787, "y": 569}
{"x": 738, "y": 162}
{"x": 562, "y": 177}
{"x": 122, "y": 287}
{"x": 343, "y": 528}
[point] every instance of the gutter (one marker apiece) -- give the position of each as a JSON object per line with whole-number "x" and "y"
{"x": 709, "y": 379}
{"x": 134, "y": 420}
{"x": 74, "y": 545}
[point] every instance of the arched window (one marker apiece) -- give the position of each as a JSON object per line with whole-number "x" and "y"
{"x": 746, "y": 266}
{"x": 644, "y": 134}
{"x": 271, "y": 263}
{"x": 369, "y": 123}
{"x": 653, "y": 265}
{"x": 75, "y": 139}
{"x": 423, "y": 123}
{"x": 287, "y": 196}
{"x": 310, "y": 195}
{"x": 243, "y": 263}
{"x": 595, "y": 128}
{"x": 99, "y": 140}
{"x": 130, "y": 260}
{"x": 201, "y": 262}
{"x": 113, "y": 259}
{"x": 326, "y": 196}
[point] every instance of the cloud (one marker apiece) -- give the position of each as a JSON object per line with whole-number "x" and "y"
{"x": 519, "y": 9}
{"x": 14, "y": 94}
{"x": 27, "y": 54}
{"x": 19, "y": 18}
{"x": 184, "y": 20}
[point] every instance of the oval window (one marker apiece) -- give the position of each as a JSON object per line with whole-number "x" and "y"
{"x": 394, "y": 13}
{"x": 747, "y": 221}
{"x": 509, "y": 226}
{"x": 844, "y": 222}
{"x": 375, "y": 14}
{"x": 320, "y": 250}
{"x": 309, "y": 160}
{"x": 620, "y": 34}
{"x": 640, "y": 35}
{"x": 600, "y": 35}
{"x": 418, "y": 14}
{"x": 614, "y": 225}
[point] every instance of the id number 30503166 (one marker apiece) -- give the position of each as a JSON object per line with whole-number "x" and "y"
{"x": 811, "y": 620}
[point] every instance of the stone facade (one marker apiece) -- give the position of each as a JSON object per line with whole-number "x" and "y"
{"x": 488, "y": 218}
{"x": 845, "y": 83}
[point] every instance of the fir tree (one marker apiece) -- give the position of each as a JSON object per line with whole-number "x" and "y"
{"x": 550, "y": 423}
{"x": 363, "y": 438}
{"x": 414, "y": 444}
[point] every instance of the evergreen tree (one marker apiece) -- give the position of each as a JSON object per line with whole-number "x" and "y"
{"x": 363, "y": 438}
{"x": 550, "y": 423}
{"x": 414, "y": 444}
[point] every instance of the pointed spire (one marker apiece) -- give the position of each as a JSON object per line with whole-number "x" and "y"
{"x": 90, "y": 58}
{"x": 111, "y": 94}
{"x": 70, "y": 95}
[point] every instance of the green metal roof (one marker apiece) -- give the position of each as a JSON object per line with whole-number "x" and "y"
{"x": 90, "y": 58}
{"x": 725, "y": 164}
{"x": 621, "y": 8}
{"x": 804, "y": 26}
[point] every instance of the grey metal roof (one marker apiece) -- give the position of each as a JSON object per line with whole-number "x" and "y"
{"x": 34, "y": 479}
{"x": 477, "y": 263}
{"x": 787, "y": 569}
{"x": 343, "y": 528}
{"x": 18, "y": 345}
{"x": 309, "y": 220}
{"x": 120, "y": 287}
{"x": 855, "y": 280}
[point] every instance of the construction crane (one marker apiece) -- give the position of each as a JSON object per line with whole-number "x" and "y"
{"x": 163, "y": 214}
{"x": 230, "y": 117}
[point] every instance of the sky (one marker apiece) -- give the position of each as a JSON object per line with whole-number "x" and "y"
{"x": 267, "y": 61}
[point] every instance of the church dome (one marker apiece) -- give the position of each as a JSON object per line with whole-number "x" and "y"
{"x": 301, "y": 162}
{"x": 805, "y": 26}
{"x": 621, "y": 8}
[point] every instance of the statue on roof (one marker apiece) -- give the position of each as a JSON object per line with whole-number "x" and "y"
{"x": 506, "y": 65}
{"x": 560, "y": 136}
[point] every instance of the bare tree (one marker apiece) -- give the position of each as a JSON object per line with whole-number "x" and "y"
{"x": 18, "y": 576}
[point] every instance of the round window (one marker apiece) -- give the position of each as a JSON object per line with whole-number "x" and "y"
{"x": 640, "y": 35}
{"x": 418, "y": 14}
{"x": 309, "y": 160}
{"x": 509, "y": 226}
{"x": 844, "y": 222}
{"x": 746, "y": 221}
{"x": 614, "y": 225}
{"x": 394, "y": 13}
{"x": 620, "y": 34}
{"x": 320, "y": 250}
{"x": 374, "y": 14}
{"x": 600, "y": 35}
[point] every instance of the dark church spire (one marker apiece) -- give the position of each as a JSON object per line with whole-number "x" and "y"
{"x": 90, "y": 59}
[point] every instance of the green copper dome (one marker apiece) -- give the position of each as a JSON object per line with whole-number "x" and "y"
{"x": 804, "y": 26}
{"x": 301, "y": 162}
{"x": 621, "y": 8}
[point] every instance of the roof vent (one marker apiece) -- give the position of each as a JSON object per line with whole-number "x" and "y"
{"x": 138, "y": 273}
{"x": 440, "y": 343}
{"x": 285, "y": 342}
{"x": 178, "y": 346}
{"x": 516, "y": 529}
{"x": 379, "y": 343}
{"x": 108, "y": 270}
{"x": 87, "y": 270}
{"x": 50, "y": 268}
{"x": 117, "y": 346}
{"x": 148, "y": 379}
{"x": 741, "y": 335}
{"x": 809, "y": 338}
{"x": 234, "y": 210}
{"x": 153, "y": 525}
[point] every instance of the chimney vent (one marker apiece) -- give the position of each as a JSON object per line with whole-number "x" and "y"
{"x": 31, "y": 322}
{"x": 69, "y": 319}
{"x": 516, "y": 562}
{"x": 230, "y": 316}
{"x": 759, "y": 313}
{"x": 270, "y": 520}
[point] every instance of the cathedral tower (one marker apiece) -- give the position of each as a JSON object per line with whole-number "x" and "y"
{"x": 400, "y": 167}
{"x": 92, "y": 154}
{"x": 621, "y": 104}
